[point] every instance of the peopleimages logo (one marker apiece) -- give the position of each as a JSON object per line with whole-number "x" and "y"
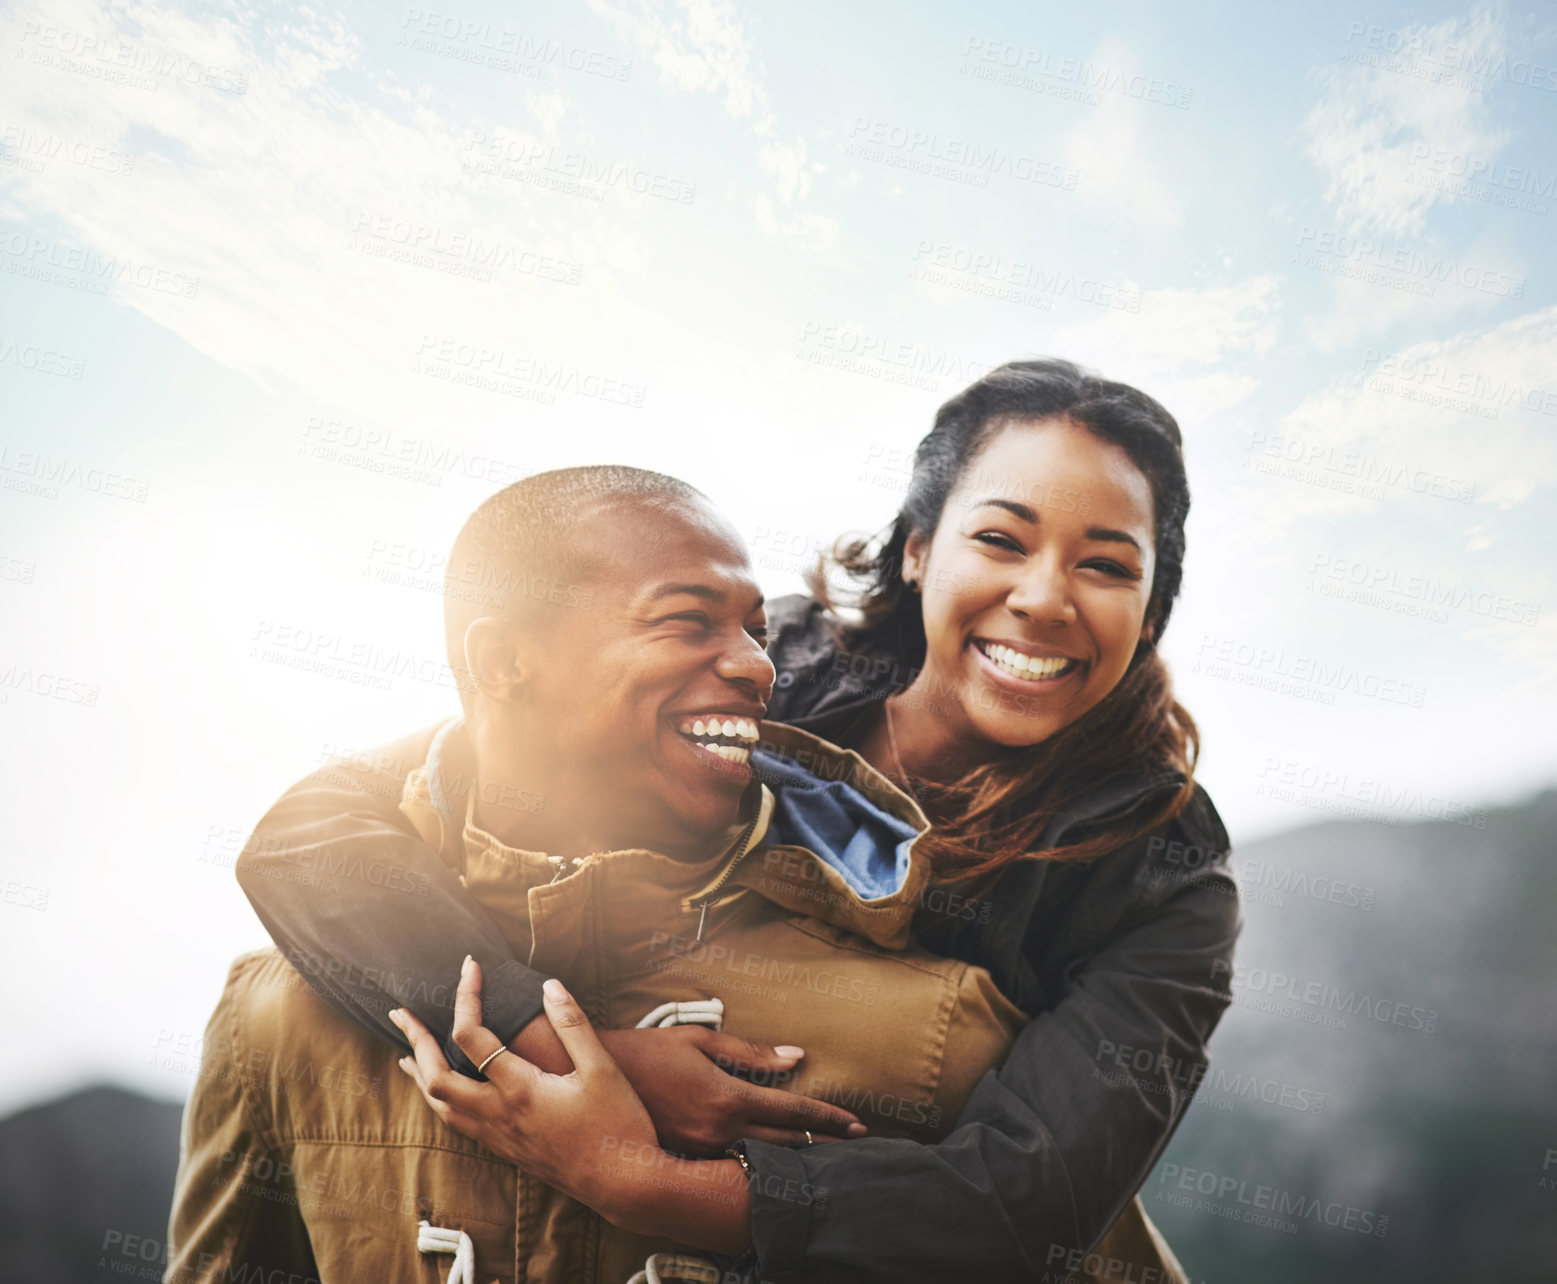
{"x": 1419, "y": 48}
{"x": 1332, "y": 468}
{"x": 115, "y": 60}
{"x": 1090, "y": 77}
{"x": 928, "y": 152}
{"x": 1368, "y": 255}
{"x": 1384, "y": 585}
{"x": 1317, "y": 778}
{"x": 1262, "y": 1205}
{"x": 510, "y": 155}
{"x": 1014, "y": 280}
{"x": 41, "y": 146}
{"x": 1477, "y": 169}
{"x": 44, "y": 258}
{"x": 1275, "y": 991}
{"x": 1272, "y": 669}
{"x": 1495, "y": 390}
{"x": 851, "y": 344}
{"x": 505, "y": 48}
{"x": 428, "y": 245}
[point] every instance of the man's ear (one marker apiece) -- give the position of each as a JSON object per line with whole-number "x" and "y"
{"x": 495, "y": 658}
{"x": 916, "y": 552}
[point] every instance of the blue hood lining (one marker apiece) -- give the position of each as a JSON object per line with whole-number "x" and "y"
{"x": 867, "y": 846}
{"x": 847, "y": 831}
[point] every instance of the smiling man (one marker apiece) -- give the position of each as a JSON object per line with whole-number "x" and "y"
{"x": 612, "y": 801}
{"x": 659, "y": 683}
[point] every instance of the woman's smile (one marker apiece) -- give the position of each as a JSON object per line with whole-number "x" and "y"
{"x": 1025, "y": 665}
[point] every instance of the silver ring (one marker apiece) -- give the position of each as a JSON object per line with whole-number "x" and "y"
{"x": 810, "y": 1141}
{"x": 502, "y": 1048}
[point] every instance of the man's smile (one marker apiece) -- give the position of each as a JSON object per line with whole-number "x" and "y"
{"x": 723, "y": 735}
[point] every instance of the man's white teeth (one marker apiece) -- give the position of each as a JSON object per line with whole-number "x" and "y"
{"x": 736, "y": 728}
{"x": 1025, "y": 666}
{"x": 730, "y": 753}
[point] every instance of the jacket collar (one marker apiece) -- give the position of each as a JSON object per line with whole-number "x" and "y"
{"x": 822, "y": 834}
{"x": 844, "y": 844}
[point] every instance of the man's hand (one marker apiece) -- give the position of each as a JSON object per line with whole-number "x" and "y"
{"x": 687, "y": 1079}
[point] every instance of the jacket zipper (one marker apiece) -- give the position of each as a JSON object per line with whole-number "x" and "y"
{"x": 724, "y": 877}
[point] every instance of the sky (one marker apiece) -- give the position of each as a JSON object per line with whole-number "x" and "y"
{"x": 285, "y": 293}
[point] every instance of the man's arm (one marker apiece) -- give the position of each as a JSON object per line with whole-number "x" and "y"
{"x": 1048, "y": 1150}
{"x": 375, "y": 920}
{"x": 372, "y": 916}
{"x": 222, "y": 1227}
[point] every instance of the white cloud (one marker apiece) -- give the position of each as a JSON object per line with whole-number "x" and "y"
{"x": 805, "y": 230}
{"x": 700, "y": 49}
{"x": 1409, "y": 414}
{"x": 785, "y": 164}
{"x": 1118, "y": 174}
{"x": 793, "y": 178}
{"x": 264, "y": 197}
{"x": 1184, "y": 346}
{"x": 1376, "y": 131}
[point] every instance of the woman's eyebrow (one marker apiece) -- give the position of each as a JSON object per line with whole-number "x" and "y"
{"x": 1030, "y": 515}
{"x": 1114, "y": 537}
{"x": 1027, "y": 514}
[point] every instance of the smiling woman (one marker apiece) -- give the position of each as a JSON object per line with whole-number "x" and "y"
{"x": 1013, "y": 609}
{"x": 1046, "y": 604}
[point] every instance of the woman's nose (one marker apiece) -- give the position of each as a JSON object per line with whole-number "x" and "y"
{"x": 1041, "y": 592}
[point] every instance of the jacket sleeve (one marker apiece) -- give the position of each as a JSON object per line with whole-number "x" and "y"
{"x": 1049, "y": 1149}
{"x": 235, "y": 1211}
{"x": 371, "y": 915}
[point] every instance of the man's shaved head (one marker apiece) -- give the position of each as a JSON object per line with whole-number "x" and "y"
{"x": 519, "y": 551}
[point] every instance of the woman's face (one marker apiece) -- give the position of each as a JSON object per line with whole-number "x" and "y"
{"x": 1034, "y": 585}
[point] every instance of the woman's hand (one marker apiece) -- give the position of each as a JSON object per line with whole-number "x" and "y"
{"x": 583, "y": 1132}
{"x": 687, "y": 1079}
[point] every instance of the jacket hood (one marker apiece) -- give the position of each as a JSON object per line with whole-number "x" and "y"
{"x": 824, "y": 834}
{"x": 842, "y": 841}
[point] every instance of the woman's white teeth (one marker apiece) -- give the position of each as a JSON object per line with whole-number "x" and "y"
{"x": 1025, "y": 666}
{"x": 696, "y": 729}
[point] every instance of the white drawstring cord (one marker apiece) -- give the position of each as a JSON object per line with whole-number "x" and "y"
{"x": 709, "y": 1012}
{"x": 440, "y": 1239}
{"x": 690, "y": 1270}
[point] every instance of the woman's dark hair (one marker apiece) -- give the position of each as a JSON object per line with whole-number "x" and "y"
{"x": 998, "y": 812}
